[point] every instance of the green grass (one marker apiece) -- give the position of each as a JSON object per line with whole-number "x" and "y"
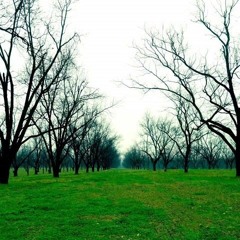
{"x": 122, "y": 204}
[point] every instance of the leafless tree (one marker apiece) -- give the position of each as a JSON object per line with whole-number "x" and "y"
{"x": 188, "y": 131}
{"x": 80, "y": 130}
{"x": 39, "y": 155}
{"x": 101, "y": 147}
{"x": 157, "y": 144}
{"x": 210, "y": 149}
{"x": 36, "y": 43}
{"x": 209, "y": 85}
{"x": 23, "y": 156}
{"x": 134, "y": 158}
{"x": 60, "y": 114}
{"x": 110, "y": 156}
{"x": 228, "y": 157}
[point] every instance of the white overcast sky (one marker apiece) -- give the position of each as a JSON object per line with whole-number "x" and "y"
{"x": 109, "y": 27}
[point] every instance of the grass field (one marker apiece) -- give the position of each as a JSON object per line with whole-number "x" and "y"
{"x": 122, "y": 204}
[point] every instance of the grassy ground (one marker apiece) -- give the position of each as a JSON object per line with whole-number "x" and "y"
{"x": 122, "y": 204}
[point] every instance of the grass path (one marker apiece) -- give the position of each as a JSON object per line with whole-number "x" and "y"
{"x": 122, "y": 204}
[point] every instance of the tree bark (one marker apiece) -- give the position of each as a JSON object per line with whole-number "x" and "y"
{"x": 186, "y": 159}
{"x": 6, "y": 159}
{"x": 15, "y": 172}
{"x": 55, "y": 169}
{"x": 98, "y": 166}
{"x": 56, "y": 172}
{"x": 237, "y": 158}
{"x": 76, "y": 169}
{"x": 4, "y": 170}
{"x": 36, "y": 170}
{"x": 154, "y": 165}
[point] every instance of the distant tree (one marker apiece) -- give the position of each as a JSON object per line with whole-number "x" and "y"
{"x": 151, "y": 140}
{"x": 67, "y": 163}
{"x": 210, "y": 86}
{"x": 168, "y": 155}
{"x": 22, "y": 159}
{"x": 210, "y": 149}
{"x": 168, "y": 144}
{"x": 156, "y": 143}
{"x": 134, "y": 158}
{"x": 228, "y": 157}
{"x": 39, "y": 155}
{"x": 86, "y": 154}
{"x": 96, "y": 136}
{"x": 78, "y": 145}
{"x": 177, "y": 161}
{"x": 61, "y": 109}
{"x": 110, "y": 156}
{"x": 101, "y": 150}
{"x": 187, "y": 132}
{"x": 229, "y": 161}
{"x": 196, "y": 160}
{"x": 32, "y": 41}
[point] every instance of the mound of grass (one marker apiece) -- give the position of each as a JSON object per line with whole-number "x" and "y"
{"x": 122, "y": 204}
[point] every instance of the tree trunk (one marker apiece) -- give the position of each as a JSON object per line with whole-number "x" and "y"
{"x": 56, "y": 171}
{"x": 56, "y": 174}
{"x": 209, "y": 165}
{"x": 237, "y": 159}
{"x": 15, "y": 172}
{"x": 165, "y": 164}
{"x": 4, "y": 170}
{"x": 93, "y": 165}
{"x": 186, "y": 163}
{"x": 98, "y": 167}
{"x": 154, "y": 165}
{"x": 6, "y": 159}
{"x": 27, "y": 170}
{"x": 76, "y": 169}
{"x": 186, "y": 159}
{"x": 36, "y": 170}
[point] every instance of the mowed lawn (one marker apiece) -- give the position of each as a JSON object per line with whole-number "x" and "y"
{"x": 122, "y": 204}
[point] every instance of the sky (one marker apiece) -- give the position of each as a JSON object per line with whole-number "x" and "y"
{"x": 108, "y": 29}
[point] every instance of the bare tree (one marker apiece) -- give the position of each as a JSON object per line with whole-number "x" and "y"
{"x": 210, "y": 86}
{"x": 80, "y": 130}
{"x": 188, "y": 130}
{"x": 39, "y": 155}
{"x": 39, "y": 42}
{"x": 60, "y": 115}
{"x": 228, "y": 157}
{"x": 210, "y": 149}
{"x": 109, "y": 154}
{"x": 101, "y": 147}
{"x": 169, "y": 153}
{"x": 155, "y": 140}
{"x": 151, "y": 141}
{"x": 134, "y": 158}
{"x": 23, "y": 156}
